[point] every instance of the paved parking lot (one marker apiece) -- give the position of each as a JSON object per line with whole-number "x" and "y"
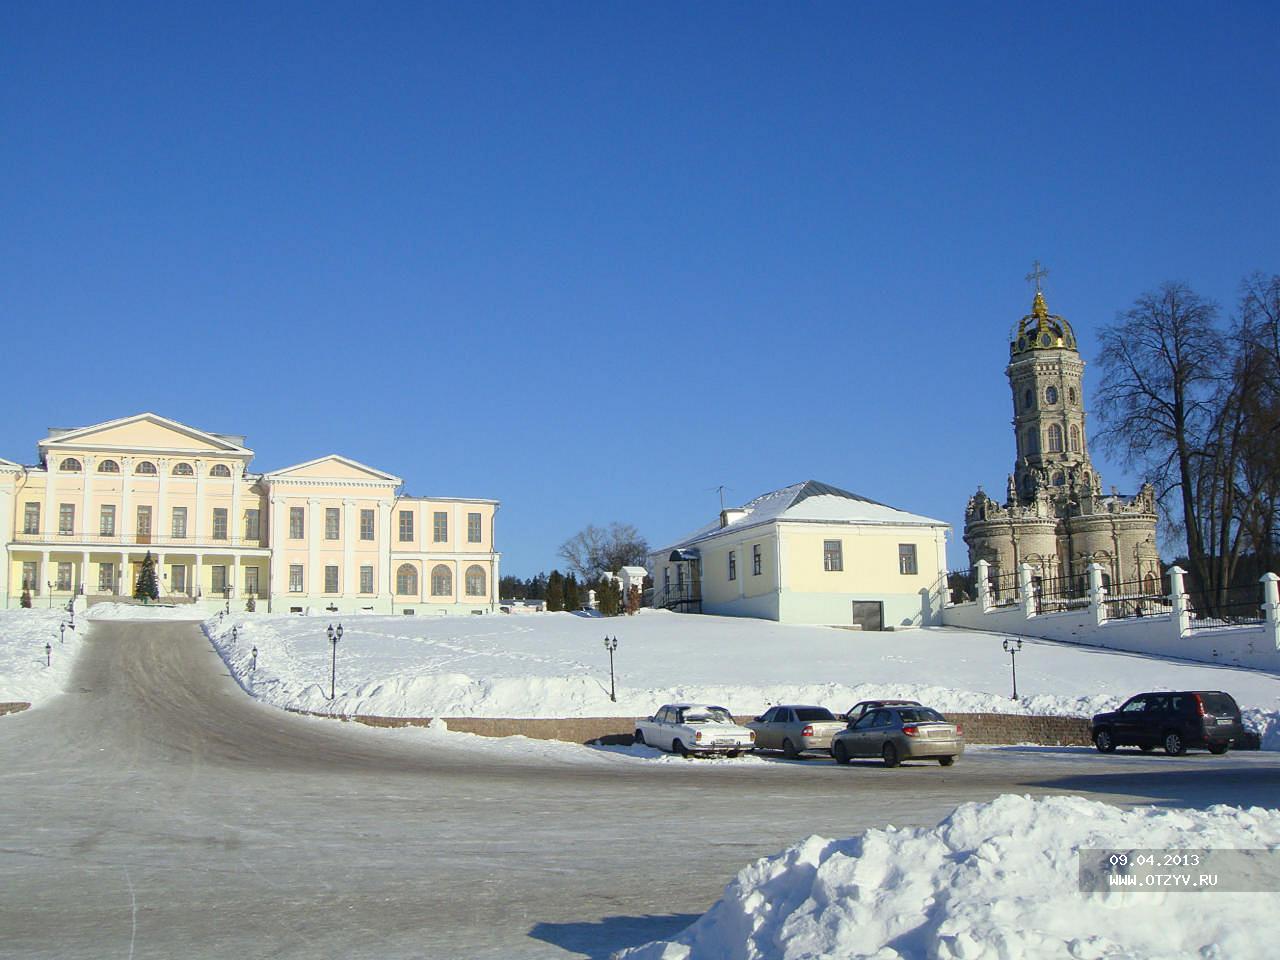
{"x": 157, "y": 811}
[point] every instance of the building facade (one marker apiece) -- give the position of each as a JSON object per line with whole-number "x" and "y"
{"x": 1055, "y": 516}
{"x": 809, "y": 553}
{"x": 330, "y": 534}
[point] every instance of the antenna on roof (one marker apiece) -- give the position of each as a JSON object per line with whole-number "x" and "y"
{"x": 720, "y": 489}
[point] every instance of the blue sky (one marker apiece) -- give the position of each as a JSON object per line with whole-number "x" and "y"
{"x": 596, "y": 259}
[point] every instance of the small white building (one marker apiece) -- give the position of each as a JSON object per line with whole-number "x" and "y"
{"x": 631, "y": 577}
{"x": 809, "y": 553}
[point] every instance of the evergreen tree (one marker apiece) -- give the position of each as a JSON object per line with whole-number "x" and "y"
{"x": 26, "y": 598}
{"x": 146, "y": 589}
{"x": 572, "y": 599}
{"x": 251, "y": 604}
{"x": 633, "y": 600}
{"x": 609, "y": 597}
{"x": 555, "y": 591}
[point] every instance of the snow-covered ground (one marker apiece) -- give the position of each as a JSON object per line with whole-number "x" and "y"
{"x": 993, "y": 880}
{"x": 555, "y": 665}
{"x": 23, "y": 634}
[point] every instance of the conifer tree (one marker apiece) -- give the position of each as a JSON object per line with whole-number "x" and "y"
{"x": 555, "y": 591}
{"x": 572, "y": 599}
{"x": 26, "y": 598}
{"x": 146, "y": 589}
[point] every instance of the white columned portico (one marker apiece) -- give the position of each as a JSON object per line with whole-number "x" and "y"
{"x": 314, "y": 530}
{"x": 350, "y": 583}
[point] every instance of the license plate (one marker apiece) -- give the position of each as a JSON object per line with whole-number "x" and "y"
{"x": 1223, "y": 720}
{"x": 725, "y": 743}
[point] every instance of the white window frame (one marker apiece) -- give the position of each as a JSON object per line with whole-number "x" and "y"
{"x": 757, "y": 560}
{"x": 297, "y": 579}
{"x": 220, "y": 523}
{"x": 908, "y": 556}
{"x": 733, "y": 565}
{"x": 440, "y": 527}
{"x": 833, "y": 560}
{"x": 252, "y": 523}
{"x": 475, "y": 581}
{"x": 367, "y": 524}
{"x": 475, "y": 528}
{"x": 31, "y": 518}
{"x": 178, "y": 527}
{"x": 332, "y": 523}
{"x": 366, "y": 579}
{"x": 331, "y": 581}
{"x": 251, "y": 581}
{"x": 297, "y": 523}
{"x": 66, "y": 519}
{"x": 107, "y": 520}
{"x": 404, "y": 521}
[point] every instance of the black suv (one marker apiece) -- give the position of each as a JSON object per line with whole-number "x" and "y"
{"x": 1175, "y": 721}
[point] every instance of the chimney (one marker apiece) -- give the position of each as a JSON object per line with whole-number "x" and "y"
{"x": 731, "y": 515}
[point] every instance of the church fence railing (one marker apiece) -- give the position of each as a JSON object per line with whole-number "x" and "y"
{"x": 962, "y": 586}
{"x": 1004, "y": 588}
{"x": 1056, "y": 594}
{"x": 1130, "y": 599}
{"x": 1242, "y": 607}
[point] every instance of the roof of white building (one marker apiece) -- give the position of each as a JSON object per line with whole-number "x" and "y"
{"x": 809, "y": 501}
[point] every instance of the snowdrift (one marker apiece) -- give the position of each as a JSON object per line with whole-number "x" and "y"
{"x": 993, "y": 880}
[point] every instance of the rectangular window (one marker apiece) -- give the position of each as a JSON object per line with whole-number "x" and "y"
{"x": 106, "y": 578}
{"x": 366, "y": 578}
{"x": 755, "y": 560}
{"x": 733, "y": 565}
{"x": 297, "y": 520}
{"x": 107, "y": 520}
{"x": 907, "y": 559}
{"x": 832, "y": 556}
{"x": 332, "y": 521}
{"x": 366, "y": 525}
{"x": 440, "y": 527}
{"x": 473, "y": 528}
{"x": 64, "y": 576}
{"x": 219, "y": 523}
{"x": 31, "y": 518}
{"x": 178, "y": 577}
{"x": 252, "y": 525}
{"x": 144, "y": 524}
{"x": 66, "y": 519}
{"x": 218, "y": 577}
{"x": 406, "y": 526}
{"x": 179, "y": 523}
{"x": 251, "y": 581}
{"x": 331, "y": 579}
{"x": 295, "y": 578}
{"x": 29, "y": 576}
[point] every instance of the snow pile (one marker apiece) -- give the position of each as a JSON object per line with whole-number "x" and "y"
{"x": 994, "y": 879}
{"x": 153, "y": 611}
{"x": 554, "y": 665}
{"x": 23, "y": 635}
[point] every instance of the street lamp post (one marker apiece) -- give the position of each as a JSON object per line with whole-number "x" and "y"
{"x": 48, "y": 654}
{"x": 71, "y": 609}
{"x": 49, "y": 584}
{"x": 611, "y": 644}
{"x": 1012, "y": 646}
{"x": 334, "y": 637}
{"x": 62, "y": 633}
{"x": 253, "y": 664}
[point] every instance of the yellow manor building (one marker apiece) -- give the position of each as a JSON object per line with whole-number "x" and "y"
{"x": 330, "y": 534}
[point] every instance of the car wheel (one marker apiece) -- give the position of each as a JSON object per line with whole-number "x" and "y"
{"x": 789, "y": 749}
{"x": 890, "y": 754}
{"x": 679, "y": 747}
{"x": 638, "y": 737}
{"x": 1174, "y": 745}
{"x": 946, "y": 761}
{"x": 731, "y": 754}
{"x": 1218, "y": 749}
{"x": 1103, "y": 741}
{"x": 840, "y": 753}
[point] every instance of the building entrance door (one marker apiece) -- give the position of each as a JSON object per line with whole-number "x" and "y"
{"x": 868, "y": 614}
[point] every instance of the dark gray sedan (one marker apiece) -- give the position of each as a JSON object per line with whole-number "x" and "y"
{"x": 895, "y": 734}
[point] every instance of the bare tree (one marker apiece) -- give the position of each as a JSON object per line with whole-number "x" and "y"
{"x": 594, "y": 550}
{"x": 1163, "y": 371}
{"x": 1258, "y": 370}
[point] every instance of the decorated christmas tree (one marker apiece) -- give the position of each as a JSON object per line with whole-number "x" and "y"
{"x": 146, "y": 588}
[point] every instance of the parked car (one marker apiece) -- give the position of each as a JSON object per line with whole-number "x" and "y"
{"x": 862, "y": 706}
{"x": 900, "y": 733}
{"x": 796, "y": 729}
{"x": 694, "y": 728}
{"x": 1195, "y": 718}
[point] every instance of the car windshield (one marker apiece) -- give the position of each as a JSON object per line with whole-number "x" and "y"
{"x": 812, "y": 714}
{"x": 920, "y": 715}
{"x": 707, "y": 715}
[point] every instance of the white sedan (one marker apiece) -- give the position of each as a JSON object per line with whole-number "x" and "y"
{"x": 694, "y": 728}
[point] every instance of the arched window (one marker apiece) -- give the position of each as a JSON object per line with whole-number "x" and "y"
{"x": 406, "y": 580}
{"x": 1055, "y": 438}
{"x": 441, "y": 581}
{"x": 1106, "y": 581}
{"x": 1071, "y": 395}
{"x": 1029, "y": 399}
{"x": 1074, "y": 435}
{"x": 1149, "y": 585}
{"x": 219, "y": 470}
{"x": 1051, "y": 394}
{"x": 1033, "y": 442}
{"x": 475, "y": 581}
{"x": 108, "y": 466}
{"x": 147, "y": 467}
{"x": 70, "y": 465}
{"x": 183, "y": 470}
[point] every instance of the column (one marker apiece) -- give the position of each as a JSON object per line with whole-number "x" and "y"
{"x": 233, "y": 575}
{"x": 457, "y": 581}
{"x": 982, "y": 583}
{"x": 276, "y": 542}
{"x": 1025, "y": 588}
{"x": 495, "y": 596}
{"x": 126, "y": 526}
{"x": 1181, "y": 608}
{"x": 162, "y": 584}
{"x": 161, "y": 522}
{"x": 123, "y": 586}
{"x": 1271, "y": 605}
{"x": 1097, "y": 595}
{"x": 84, "y": 572}
{"x": 50, "y": 504}
{"x": 314, "y": 530}
{"x": 384, "y": 549}
{"x": 87, "y": 477}
{"x": 42, "y": 575}
{"x": 197, "y": 579}
{"x": 198, "y": 524}
{"x": 236, "y": 523}
{"x": 350, "y": 579}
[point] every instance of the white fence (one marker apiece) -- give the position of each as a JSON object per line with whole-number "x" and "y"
{"x": 1166, "y": 631}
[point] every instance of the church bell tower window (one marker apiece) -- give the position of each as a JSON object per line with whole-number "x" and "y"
{"x": 1055, "y": 438}
{"x": 1029, "y": 399}
{"x": 1051, "y": 395}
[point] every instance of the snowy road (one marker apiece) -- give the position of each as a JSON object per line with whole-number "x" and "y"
{"x": 157, "y": 811}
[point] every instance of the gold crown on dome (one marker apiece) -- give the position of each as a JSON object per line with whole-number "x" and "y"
{"x": 1042, "y": 330}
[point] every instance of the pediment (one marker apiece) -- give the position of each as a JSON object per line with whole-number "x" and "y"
{"x": 144, "y": 432}
{"x": 333, "y": 467}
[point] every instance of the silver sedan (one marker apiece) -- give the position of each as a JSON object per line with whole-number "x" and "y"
{"x": 796, "y": 729}
{"x": 895, "y": 734}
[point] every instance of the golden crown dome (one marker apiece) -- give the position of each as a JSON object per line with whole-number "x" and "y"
{"x": 1042, "y": 330}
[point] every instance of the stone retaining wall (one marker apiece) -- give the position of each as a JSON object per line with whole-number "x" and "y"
{"x": 13, "y": 707}
{"x": 996, "y": 728}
